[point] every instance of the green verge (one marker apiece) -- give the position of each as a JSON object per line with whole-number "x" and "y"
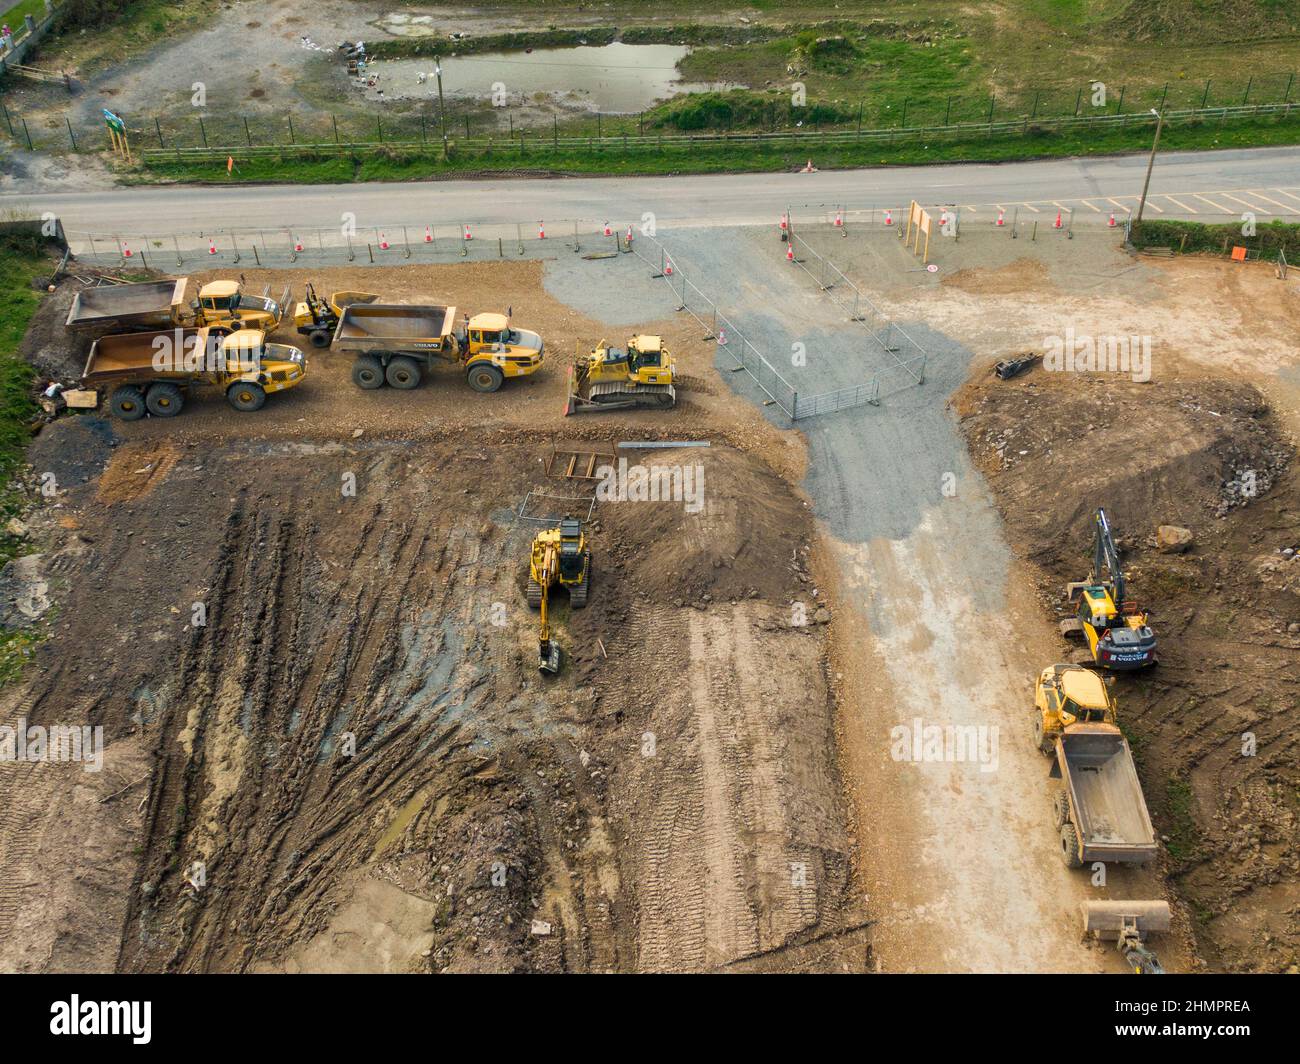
{"x": 1192, "y": 237}
{"x": 21, "y": 262}
{"x": 610, "y": 157}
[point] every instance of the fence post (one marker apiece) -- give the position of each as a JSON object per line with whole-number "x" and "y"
{"x": 203, "y": 132}
{"x": 292, "y": 138}
{"x": 1289, "y": 82}
{"x": 247, "y": 133}
{"x": 335, "y": 119}
{"x": 1249, "y": 82}
{"x": 1206, "y": 95}
{"x": 27, "y": 134}
{"x": 158, "y": 129}
{"x": 71, "y": 136}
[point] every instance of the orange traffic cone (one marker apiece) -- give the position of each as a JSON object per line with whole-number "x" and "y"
{"x": 608, "y": 232}
{"x": 541, "y": 231}
{"x": 722, "y": 337}
{"x": 383, "y": 242}
{"x": 839, "y": 220}
{"x": 297, "y": 245}
{"x": 126, "y": 252}
{"x": 468, "y": 236}
{"x": 785, "y": 223}
{"x": 212, "y": 247}
{"x": 629, "y": 236}
{"x": 889, "y": 218}
{"x": 1111, "y": 223}
{"x": 1057, "y": 224}
{"x": 789, "y": 253}
{"x": 428, "y": 235}
{"x": 1002, "y": 217}
{"x": 668, "y": 269}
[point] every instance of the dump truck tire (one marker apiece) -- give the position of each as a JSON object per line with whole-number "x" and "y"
{"x": 127, "y": 403}
{"x": 319, "y": 338}
{"x": 246, "y": 397}
{"x": 403, "y": 373}
{"x": 1046, "y": 744}
{"x": 484, "y": 378}
{"x": 164, "y": 399}
{"x": 367, "y": 373}
{"x": 1061, "y": 809}
{"x": 1071, "y": 846}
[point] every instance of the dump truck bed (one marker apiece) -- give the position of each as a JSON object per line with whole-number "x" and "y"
{"x": 147, "y": 303}
{"x": 393, "y": 327}
{"x": 129, "y": 356}
{"x": 1105, "y": 795}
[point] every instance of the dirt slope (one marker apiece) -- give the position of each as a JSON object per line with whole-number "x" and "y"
{"x": 1227, "y": 615}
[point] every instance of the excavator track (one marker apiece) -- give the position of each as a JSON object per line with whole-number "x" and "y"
{"x": 534, "y": 594}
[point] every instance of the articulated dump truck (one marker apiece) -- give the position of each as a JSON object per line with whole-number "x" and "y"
{"x": 153, "y": 305}
{"x": 396, "y": 343}
{"x": 1101, "y": 814}
{"x": 153, "y": 372}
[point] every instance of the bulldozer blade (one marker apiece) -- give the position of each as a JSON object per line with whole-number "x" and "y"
{"x": 570, "y": 398}
{"x": 548, "y": 657}
{"x": 1107, "y": 918}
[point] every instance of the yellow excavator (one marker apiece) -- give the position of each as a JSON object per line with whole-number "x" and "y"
{"x": 1115, "y": 629}
{"x": 614, "y": 378}
{"x": 560, "y": 558}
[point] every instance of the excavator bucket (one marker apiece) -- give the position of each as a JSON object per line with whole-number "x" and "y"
{"x": 548, "y": 656}
{"x": 1107, "y": 919}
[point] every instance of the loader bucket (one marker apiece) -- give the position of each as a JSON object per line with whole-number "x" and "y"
{"x": 1107, "y": 918}
{"x": 548, "y": 657}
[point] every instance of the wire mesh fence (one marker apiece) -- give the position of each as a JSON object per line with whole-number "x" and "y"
{"x": 529, "y": 136}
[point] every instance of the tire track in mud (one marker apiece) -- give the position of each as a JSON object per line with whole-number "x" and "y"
{"x": 738, "y": 864}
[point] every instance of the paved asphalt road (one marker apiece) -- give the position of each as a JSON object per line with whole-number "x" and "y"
{"x": 1267, "y": 179}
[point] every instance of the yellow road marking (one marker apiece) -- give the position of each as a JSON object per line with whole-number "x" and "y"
{"x": 1217, "y": 206}
{"x": 1251, "y": 206}
{"x": 1090, "y": 206}
{"x": 1266, "y": 199}
{"x": 1190, "y": 210}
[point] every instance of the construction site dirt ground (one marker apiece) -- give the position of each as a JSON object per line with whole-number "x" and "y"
{"x": 707, "y": 785}
{"x": 356, "y": 745}
{"x": 1216, "y": 422}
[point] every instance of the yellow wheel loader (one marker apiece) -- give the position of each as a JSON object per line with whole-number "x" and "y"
{"x": 560, "y": 558}
{"x": 1115, "y": 629}
{"x": 316, "y": 318}
{"x": 613, "y": 378}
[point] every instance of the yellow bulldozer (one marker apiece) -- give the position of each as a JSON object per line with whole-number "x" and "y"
{"x": 615, "y": 378}
{"x": 560, "y": 558}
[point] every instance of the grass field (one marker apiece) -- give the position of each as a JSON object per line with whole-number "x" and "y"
{"x": 807, "y": 66}
{"x": 20, "y": 263}
{"x": 610, "y": 158}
